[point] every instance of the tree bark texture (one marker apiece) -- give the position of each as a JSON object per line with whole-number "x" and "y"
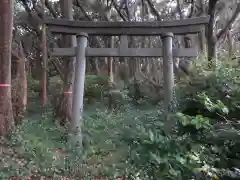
{"x": 230, "y": 44}
{"x": 44, "y": 59}
{"x": 19, "y": 86}
{"x": 69, "y": 41}
{"x": 211, "y": 37}
{"x": 110, "y": 62}
{"x": 6, "y": 18}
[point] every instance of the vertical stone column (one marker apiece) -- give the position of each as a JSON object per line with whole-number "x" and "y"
{"x": 168, "y": 76}
{"x": 75, "y": 133}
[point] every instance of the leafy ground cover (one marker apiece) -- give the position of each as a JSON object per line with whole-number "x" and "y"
{"x": 132, "y": 143}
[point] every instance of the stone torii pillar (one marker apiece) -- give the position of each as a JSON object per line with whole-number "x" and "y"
{"x": 75, "y": 133}
{"x": 168, "y": 76}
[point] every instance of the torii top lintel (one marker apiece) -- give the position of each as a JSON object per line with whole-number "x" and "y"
{"x": 154, "y": 28}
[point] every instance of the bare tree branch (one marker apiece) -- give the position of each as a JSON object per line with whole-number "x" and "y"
{"x": 154, "y": 10}
{"x": 57, "y": 66}
{"x": 50, "y": 8}
{"x": 229, "y": 23}
{"x": 119, "y": 11}
{"x": 192, "y": 9}
{"x": 179, "y": 9}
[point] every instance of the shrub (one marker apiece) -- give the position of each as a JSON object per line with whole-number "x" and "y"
{"x": 221, "y": 84}
{"x": 95, "y": 87}
{"x": 206, "y": 137}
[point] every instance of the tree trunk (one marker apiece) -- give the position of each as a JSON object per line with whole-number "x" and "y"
{"x": 132, "y": 62}
{"x": 110, "y": 62}
{"x": 230, "y": 44}
{"x": 93, "y": 62}
{"x": 19, "y": 87}
{"x": 70, "y": 41}
{"x": 6, "y": 18}
{"x": 212, "y": 51}
{"x": 202, "y": 42}
{"x": 201, "y": 35}
{"x": 37, "y": 72}
{"x": 211, "y": 37}
{"x": 44, "y": 59}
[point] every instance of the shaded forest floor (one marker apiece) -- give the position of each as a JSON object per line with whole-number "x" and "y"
{"x": 132, "y": 143}
{"x": 38, "y": 148}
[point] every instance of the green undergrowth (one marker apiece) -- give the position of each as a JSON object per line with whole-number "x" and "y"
{"x": 128, "y": 143}
{"x": 32, "y": 149}
{"x": 204, "y": 142}
{"x": 35, "y": 148}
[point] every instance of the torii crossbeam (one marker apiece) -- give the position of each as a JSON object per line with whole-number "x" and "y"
{"x": 83, "y": 29}
{"x": 154, "y": 28}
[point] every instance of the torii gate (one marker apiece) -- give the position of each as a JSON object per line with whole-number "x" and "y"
{"x": 165, "y": 29}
